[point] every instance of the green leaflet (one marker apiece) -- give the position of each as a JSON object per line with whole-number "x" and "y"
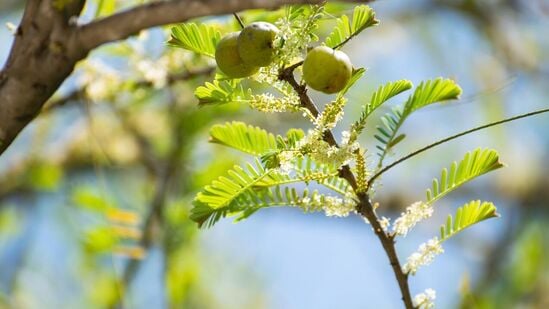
{"x": 244, "y": 191}
{"x": 432, "y": 91}
{"x": 253, "y": 200}
{"x": 363, "y": 17}
{"x": 473, "y": 164}
{"x": 383, "y": 94}
{"x": 199, "y": 38}
{"x": 254, "y": 140}
{"x": 246, "y": 138}
{"x": 387, "y": 132}
{"x": 222, "y": 92}
{"x": 221, "y": 192}
{"x": 308, "y": 171}
{"x": 357, "y": 74}
{"x": 466, "y": 216}
{"x": 427, "y": 93}
{"x": 104, "y": 8}
{"x": 380, "y": 96}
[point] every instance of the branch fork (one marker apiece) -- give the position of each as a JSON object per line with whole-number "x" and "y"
{"x": 364, "y": 207}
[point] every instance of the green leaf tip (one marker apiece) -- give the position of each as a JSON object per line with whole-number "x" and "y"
{"x": 345, "y": 29}
{"x": 432, "y": 91}
{"x": 199, "y": 38}
{"x": 474, "y": 164}
{"x": 467, "y": 216}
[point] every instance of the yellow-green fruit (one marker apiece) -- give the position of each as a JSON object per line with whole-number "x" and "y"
{"x": 255, "y": 43}
{"x": 228, "y": 59}
{"x": 327, "y": 70}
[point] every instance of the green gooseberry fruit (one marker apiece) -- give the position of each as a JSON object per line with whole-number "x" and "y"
{"x": 255, "y": 43}
{"x": 327, "y": 70}
{"x": 228, "y": 59}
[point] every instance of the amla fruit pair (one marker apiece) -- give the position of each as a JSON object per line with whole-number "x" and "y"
{"x": 327, "y": 70}
{"x": 240, "y": 54}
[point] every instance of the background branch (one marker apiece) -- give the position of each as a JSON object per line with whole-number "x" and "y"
{"x": 124, "y": 24}
{"x": 80, "y": 93}
{"x": 449, "y": 138}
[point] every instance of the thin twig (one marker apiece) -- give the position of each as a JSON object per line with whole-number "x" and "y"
{"x": 240, "y": 22}
{"x": 364, "y": 207}
{"x": 168, "y": 167}
{"x": 447, "y": 139}
{"x": 80, "y": 93}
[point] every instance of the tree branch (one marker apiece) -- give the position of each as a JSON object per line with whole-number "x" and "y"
{"x": 80, "y": 93}
{"x": 124, "y": 24}
{"x": 364, "y": 207}
{"x": 165, "y": 174}
{"x": 449, "y": 138}
{"x": 47, "y": 42}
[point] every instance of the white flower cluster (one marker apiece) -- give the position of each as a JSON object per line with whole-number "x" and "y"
{"x": 267, "y": 102}
{"x": 385, "y": 223}
{"x": 102, "y": 82}
{"x": 331, "y": 115}
{"x": 269, "y": 76}
{"x": 322, "y": 152}
{"x": 424, "y": 256}
{"x": 295, "y": 35}
{"x": 155, "y": 72}
{"x": 414, "y": 213}
{"x": 425, "y": 300}
{"x": 331, "y": 205}
{"x": 99, "y": 80}
{"x": 286, "y": 161}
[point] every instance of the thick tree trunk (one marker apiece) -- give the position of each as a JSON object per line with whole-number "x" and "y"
{"x": 42, "y": 57}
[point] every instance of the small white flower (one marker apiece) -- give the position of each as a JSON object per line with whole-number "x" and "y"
{"x": 345, "y": 137}
{"x": 424, "y": 256}
{"x": 413, "y": 214}
{"x": 267, "y": 102}
{"x": 153, "y": 72}
{"x": 385, "y": 223}
{"x": 286, "y": 159}
{"x": 99, "y": 80}
{"x": 425, "y": 300}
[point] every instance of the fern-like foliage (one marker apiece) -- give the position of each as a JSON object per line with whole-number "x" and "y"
{"x": 325, "y": 175}
{"x": 357, "y": 74}
{"x": 466, "y": 216}
{"x": 363, "y": 17}
{"x": 380, "y": 96}
{"x": 222, "y": 92}
{"x": 427, "y": 93}
{"x": 473, "y": 164}
{"x": 246, "y": 190}
{"x": 307, "y": 171}
{"x": 387, "y": 132}
{"x": 221, "y": 192}
{"x": 199, "y": 38}
{"x": 384, "y": 93}
{"x": 432, "y": 91}
{"x": 251, "y": 201}
{"x": 243, "y": 137}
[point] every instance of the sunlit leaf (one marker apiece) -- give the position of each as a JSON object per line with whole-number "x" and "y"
{"x": 345, "y": 29}
{"x": 246, "y": 138}
{"x": 222, "y": 92}
{"x": 467, "y": 216}
{"x": 200, "y": 38}
{"x": 473, "y": 164}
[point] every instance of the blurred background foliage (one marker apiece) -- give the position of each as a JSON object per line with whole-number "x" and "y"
{"x": 95, "y": 195}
